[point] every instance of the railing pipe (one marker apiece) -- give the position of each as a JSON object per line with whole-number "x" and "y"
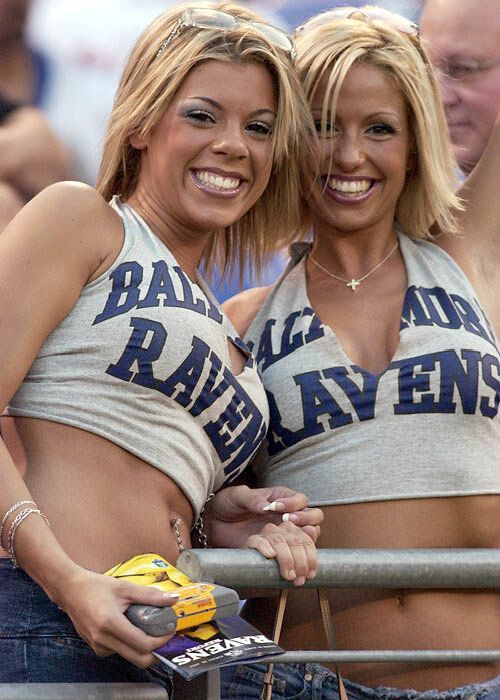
{"x": 416, "y": 656}
{"x": 82, "y": 691}
{"x": 346, "y": 568}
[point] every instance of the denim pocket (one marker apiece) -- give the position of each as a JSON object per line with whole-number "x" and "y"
{"x": 247, "y": 681}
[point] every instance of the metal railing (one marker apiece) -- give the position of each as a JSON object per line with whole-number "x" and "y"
{"x": 81, "y": 691}
{"x": 358, "y": 568}
{"x": 349, "y": 568}
{"x": 337, "y": 568}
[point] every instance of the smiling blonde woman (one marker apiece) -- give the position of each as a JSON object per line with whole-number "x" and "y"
{"x": 133, "y": 397}
{"x": 378, "y": 352}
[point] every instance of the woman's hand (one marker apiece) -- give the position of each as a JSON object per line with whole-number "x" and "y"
{"x": 96, "y": 605}
{"x": 274, "y": 520}
{"x": 294, "y": 550}
{"x": 237, "y": 512}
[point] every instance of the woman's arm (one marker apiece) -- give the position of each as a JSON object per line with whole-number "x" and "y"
{"x": 31, "y": 156}
{"x": 243, "y": 307}
{"x": 52, "y": 248}
{"x": 273, "y": 520}
{"x": 291, "y": 542}
{"x": 477, "y": 246}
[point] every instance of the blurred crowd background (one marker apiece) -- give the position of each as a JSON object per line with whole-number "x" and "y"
{"x": 80, "y": 48}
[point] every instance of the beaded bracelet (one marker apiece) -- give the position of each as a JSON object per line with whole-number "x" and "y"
{"x": 9, "y": 512}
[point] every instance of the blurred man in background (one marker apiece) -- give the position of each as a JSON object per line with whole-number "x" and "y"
{"x": 463, "y": 40}
{"x": 31, "y": 156}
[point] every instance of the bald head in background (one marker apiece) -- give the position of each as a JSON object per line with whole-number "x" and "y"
{"x": 462, "y": 38}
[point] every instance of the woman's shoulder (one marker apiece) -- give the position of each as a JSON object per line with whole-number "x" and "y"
{"x": 67, "y": 219}
{"x": 70, "y": 201}
{"x": 243, "y": 307}
{"x": 66, "y": 206}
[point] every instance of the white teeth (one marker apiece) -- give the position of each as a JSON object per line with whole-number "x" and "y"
{"x": 216, "y": 181}
{"x": 349, "y": 186}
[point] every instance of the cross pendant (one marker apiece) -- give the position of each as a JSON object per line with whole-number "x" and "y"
{"x": 353, "y": 284}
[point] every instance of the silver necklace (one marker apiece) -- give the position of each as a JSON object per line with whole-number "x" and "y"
{"x": 354, "y": 283}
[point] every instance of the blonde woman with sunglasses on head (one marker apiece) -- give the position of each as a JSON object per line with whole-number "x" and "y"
{"x": 378, "y": 352}
{"x": 132, "y": 395}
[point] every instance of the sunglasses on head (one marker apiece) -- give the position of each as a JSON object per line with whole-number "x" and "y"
{"x": 368, "y": 13}
{"x": 217, "y": 19}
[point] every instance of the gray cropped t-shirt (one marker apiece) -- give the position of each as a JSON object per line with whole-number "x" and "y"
{"x": 428, "y": 425}
{"x": 142, "y": 360}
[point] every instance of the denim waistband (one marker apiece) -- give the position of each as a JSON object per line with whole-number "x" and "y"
{"x": 26, "y": 610}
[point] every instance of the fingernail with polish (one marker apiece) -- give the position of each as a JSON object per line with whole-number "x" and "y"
{"x": 270, "y": 506}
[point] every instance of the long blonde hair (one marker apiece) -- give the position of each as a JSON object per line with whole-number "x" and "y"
{"x": 146, "y": 90}
{"x": 329, "y": 50}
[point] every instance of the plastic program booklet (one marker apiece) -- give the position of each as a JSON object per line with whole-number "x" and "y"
{"x": 195, "y": 650}
{"x": 232, "y": 641}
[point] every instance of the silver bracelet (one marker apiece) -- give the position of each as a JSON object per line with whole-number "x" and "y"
{"x": 199, "y": 525}
{"x": 15, "y": 524}
{"x": 9, "y": 512}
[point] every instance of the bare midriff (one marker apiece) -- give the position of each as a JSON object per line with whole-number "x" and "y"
{"x": 104, "y": 504}
{"x": 401, "y": 619}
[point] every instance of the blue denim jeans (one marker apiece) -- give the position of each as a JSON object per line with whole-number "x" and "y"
{"x": 315, "y": 682}
{"x": 39, "y": 644}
